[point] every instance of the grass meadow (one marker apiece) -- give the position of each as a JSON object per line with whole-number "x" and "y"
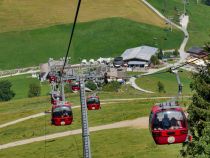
{"x": 110, "y": 113}
{"x": 199, "y": 19}
{"x": 25, "y": 14}
{"x": 101, "y": 38}
{"x": 114, "y": 143}
{"x": 169, "y": 81}
{"x": 20, "y": 85}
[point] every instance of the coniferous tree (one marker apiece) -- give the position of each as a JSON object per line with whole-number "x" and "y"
{"x": 199, "y": 116}
{"x": 160, "y": 54}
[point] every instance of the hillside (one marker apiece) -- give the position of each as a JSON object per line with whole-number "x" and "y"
{"x": 100, "y": 38}
{"x": 134, "y": 140}
{"x": 199, "y": 18}
{"x": 27, "y": 14}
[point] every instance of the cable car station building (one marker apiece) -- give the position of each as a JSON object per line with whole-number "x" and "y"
{"x": 139, "y": 56}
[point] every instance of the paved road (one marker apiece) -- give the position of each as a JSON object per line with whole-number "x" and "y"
{"x": 183, "y": 28}
{"x": 141, "y": 122}
{"x": 135, "y": 86}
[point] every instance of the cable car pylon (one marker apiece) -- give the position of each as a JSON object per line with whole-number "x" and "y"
{"x": 84, "y": 117}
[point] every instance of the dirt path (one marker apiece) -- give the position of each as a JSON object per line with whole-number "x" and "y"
{"x": 141, "y": 122}
{"x": 22, "y": 119}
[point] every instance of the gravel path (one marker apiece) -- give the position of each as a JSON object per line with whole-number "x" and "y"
{"x": 141, "y": 122}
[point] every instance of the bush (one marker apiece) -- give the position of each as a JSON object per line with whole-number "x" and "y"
{"x": 112, "y": 86}
{"x": 34, "y": 90}
{"x": 161, "y": 87}
{"x": 91, "y": 85}
{"x": 6, "y": 93}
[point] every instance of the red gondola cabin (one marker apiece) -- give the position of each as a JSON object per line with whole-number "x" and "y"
{"x": 93, "y": 103}
{"x": 62, "y": 114}
{"x": 52, "y": 78}
{"x": 168, "y": 124}
{"x": 75, "y": 86}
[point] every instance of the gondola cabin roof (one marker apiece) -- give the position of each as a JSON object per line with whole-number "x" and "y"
{"x": 166, "y": 106}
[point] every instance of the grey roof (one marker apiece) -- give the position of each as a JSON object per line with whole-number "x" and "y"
{"x": 195, "y": 50}
{"x": 141, "y": 53}
{"x": 137, "y": 63}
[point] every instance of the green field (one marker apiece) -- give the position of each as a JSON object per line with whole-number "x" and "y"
{"x": 116, "y": 143}
{"x": 22, "y": 15}
{"x": 101, "y": 38}
{"x": 16, "y": 109}
{"x": 199, "y": 19}
{"x": 20, "y": 85}
{"x": 169, "y": 81}
{"x": 108, "y": 114}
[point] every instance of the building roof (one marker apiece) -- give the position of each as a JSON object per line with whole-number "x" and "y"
{"x": 195, "y": 50}
{"x": 141, "y": 53}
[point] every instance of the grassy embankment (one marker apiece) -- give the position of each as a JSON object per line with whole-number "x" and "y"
{"x": 199, "y": 19}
